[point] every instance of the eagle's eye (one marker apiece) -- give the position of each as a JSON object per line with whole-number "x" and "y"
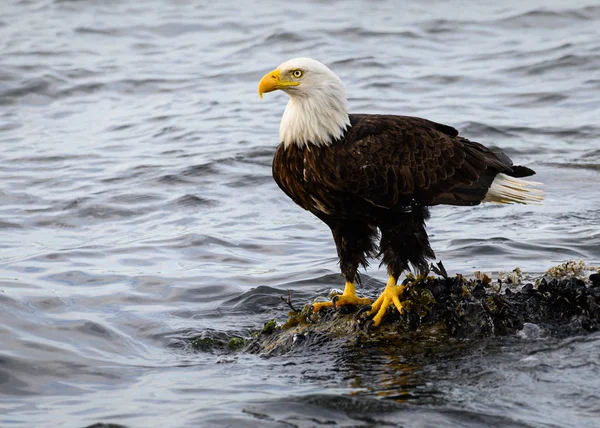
{"x": 297, "y": 74}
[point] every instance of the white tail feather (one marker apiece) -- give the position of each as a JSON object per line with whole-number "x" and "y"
{"x": 506, "y": 190}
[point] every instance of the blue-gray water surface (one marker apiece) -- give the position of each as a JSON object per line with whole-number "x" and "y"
{"x": 137, "y": 208}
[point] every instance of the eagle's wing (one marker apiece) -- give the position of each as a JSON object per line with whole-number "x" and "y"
{"x": 390, "y": 160}
{"x": 288, "y": 173}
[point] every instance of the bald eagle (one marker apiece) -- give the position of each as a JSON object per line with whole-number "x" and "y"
{"x": 372, "y": 177}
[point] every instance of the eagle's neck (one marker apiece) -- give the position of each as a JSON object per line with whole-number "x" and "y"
{"x": 318, "y": 119}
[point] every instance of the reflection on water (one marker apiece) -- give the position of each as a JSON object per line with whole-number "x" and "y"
{"x": 395, "y": 383}
{"x": 138, "y": 211}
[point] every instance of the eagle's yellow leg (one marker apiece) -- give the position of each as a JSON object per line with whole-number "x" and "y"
{"x": 391, "y": 295}
{"x": 349, "y": 297}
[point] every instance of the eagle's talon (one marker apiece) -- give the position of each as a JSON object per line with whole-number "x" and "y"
{"x": 361, "y": 311}
{"x": 390, "y": 296}
{"x": 317, "y": 306}
{"x": 348, "y": 298}
{"x": 334, "y": 301}
{"x": 309, "y": 314}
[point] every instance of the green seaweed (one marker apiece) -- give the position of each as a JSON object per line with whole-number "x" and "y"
{"x": 269, "y": 327}
{"x": 236, "y": 343}
{"x": 204, "y": 344}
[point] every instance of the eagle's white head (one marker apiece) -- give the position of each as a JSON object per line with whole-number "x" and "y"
{"x": 317, "y": 112}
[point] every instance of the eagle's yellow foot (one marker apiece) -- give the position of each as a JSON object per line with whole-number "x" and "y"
{"x": 391, "y": 295}
{"x": 349, "y": 297}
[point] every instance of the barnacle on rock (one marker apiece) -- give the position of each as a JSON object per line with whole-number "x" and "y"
{"x": 570, "y": 268}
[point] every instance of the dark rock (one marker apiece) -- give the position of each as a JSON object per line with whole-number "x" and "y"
{"x": 528, "y": 289}
{"x": 443, "y": 309}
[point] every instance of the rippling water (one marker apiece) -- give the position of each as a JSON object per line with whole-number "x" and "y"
{"x": 138, "y": 209}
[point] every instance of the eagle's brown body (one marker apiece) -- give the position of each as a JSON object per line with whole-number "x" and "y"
{"x": 382, "y": 175}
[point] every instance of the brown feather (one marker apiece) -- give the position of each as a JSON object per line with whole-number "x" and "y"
{"x": 382, "y": 174}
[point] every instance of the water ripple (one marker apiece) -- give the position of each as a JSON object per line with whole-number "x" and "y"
{"x": 138, "y": 209}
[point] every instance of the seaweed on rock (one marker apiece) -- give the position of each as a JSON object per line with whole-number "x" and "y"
{"x": 446, "y": 308}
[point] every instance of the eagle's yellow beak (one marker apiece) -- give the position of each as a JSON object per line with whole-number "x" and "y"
{"x": 272, "y": 81}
